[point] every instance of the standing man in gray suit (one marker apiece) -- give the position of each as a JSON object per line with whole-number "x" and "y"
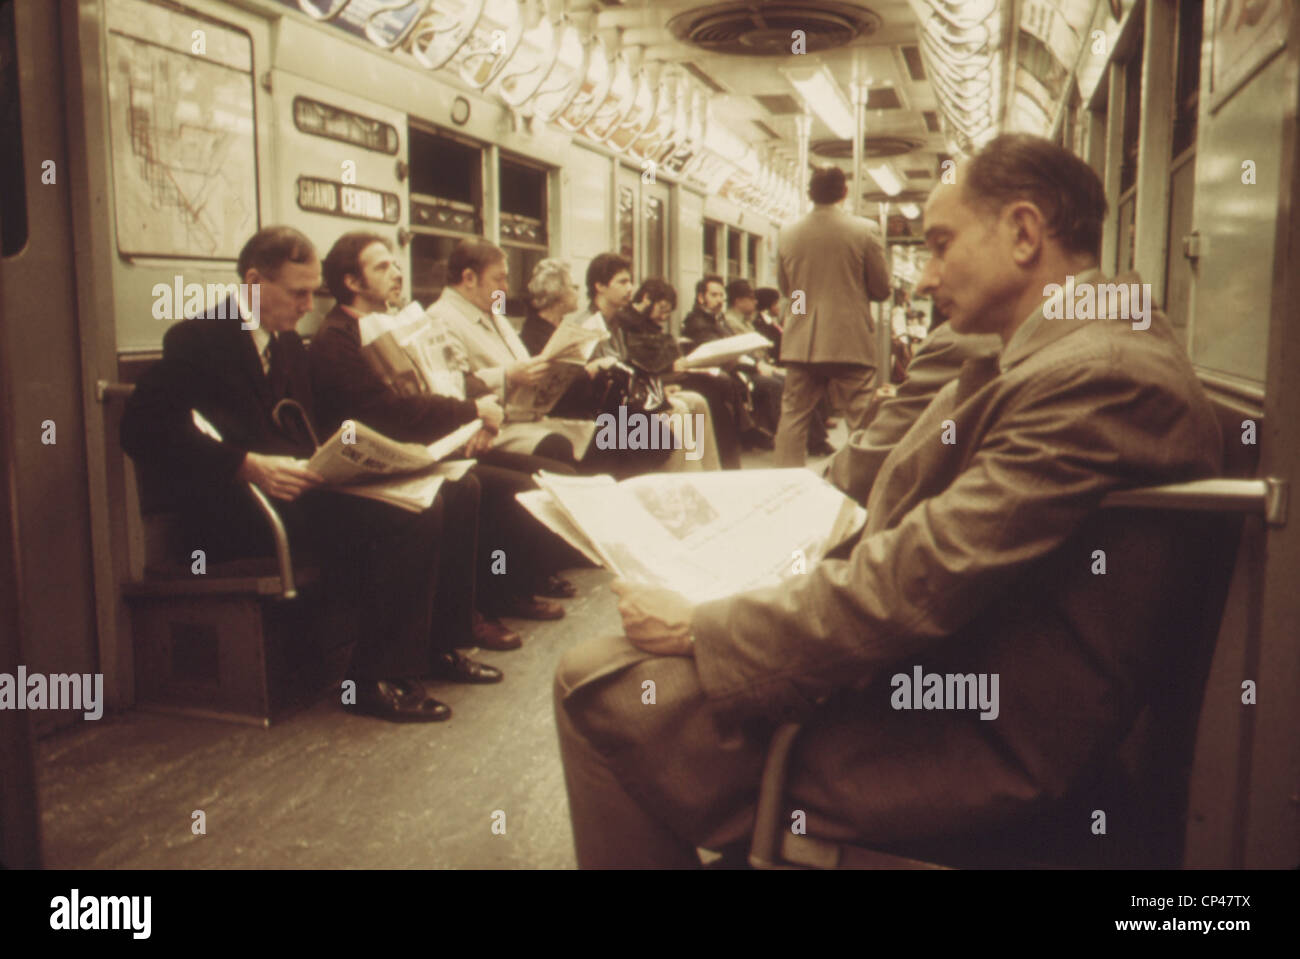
{"x": 830, "y": 264}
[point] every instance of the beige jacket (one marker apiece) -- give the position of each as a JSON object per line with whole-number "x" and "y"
{"x": 979, "y": 557}
{"x": 489, "y": 342}
{"x": 836, "y": 261}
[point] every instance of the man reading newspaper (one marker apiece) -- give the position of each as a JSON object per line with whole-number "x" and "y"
{"x": 403, "y": 376}
{"x": 977, "y": 560}
{"x": 410, "y": 574}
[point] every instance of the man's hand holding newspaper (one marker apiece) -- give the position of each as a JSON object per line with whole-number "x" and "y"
{"x": 281, "y": 477}
{"x": 656, "y": 620}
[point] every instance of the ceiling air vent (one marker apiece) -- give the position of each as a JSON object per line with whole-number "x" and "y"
{"x": 762, "y": 29}
{"x": 876, "y": 148}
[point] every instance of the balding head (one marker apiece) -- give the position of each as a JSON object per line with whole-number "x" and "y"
{"x": 1009, "y": 224}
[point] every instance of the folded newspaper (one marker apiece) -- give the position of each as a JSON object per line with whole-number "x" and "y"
{"x": 726, "y": 350}
{"x": 569, "y": 349}
{"x": 703, "y": 535}
{"x": 414, "y": 354}
{"x": 363, "y": 462}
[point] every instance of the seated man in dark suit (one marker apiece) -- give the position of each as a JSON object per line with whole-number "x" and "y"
{"x": 233, "y": 368}
{"x": 976, "y": 561}
{"x": 707, "y": 322}
{"x": 361, "y": 274}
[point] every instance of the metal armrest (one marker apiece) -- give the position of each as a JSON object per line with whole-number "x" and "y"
{"x": 769, "y": 824}
{"x": 1267, "y": 497}
{"x": 288, "y": 589}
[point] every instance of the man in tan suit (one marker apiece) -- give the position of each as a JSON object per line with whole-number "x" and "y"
{"x": 471, "y": 309}
{"x": 830, "y": 264}
{"x": 978, "y": 559}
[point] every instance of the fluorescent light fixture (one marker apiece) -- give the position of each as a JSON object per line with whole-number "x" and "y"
{"x": 910, "y": 210}
{"x": 823, "y": 96}
{"x": 886, "y": 178}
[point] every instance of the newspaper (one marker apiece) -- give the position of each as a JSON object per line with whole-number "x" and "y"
{"x": 569, "y": 349}
{"x": 573, "y": 343}
{"x": 703, "y": 535}
{"x": 413, "y": 353}
{"x": 363, "y": 462}
{"x": 726, "y": 350}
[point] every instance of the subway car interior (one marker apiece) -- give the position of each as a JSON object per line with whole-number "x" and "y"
{"x": 144, "y": 142}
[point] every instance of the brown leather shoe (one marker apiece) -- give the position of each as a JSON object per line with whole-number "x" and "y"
{"x": 531, "y": 607}
{"x": 494, "y": 634}
{"x": 556, "y": 587}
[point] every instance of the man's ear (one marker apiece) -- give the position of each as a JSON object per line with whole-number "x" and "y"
{"x": 1028, "y": 228}
{"x": 352, "y": 282}
{"x": 252, "y": 277}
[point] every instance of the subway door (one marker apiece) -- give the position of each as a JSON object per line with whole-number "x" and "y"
{"x": 340, "y": 165}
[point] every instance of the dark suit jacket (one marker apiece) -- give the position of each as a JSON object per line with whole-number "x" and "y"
{"x": 701, "y": 326}
{"x": 536, "y": 332}
{"x": 210, "y": 365}
{"x": 346, "y": 386}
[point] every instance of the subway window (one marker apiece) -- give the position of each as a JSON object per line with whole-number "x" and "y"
{"x": 627, "y": 223}
{"x": 733, "y": 254}
{"x": 1128, "y": 186}
{"x": 711, "y": 246}
{"x": 655, "y": 237}
{"x": 1182, "y": 171}
{"x": 523, "y": 223}
{"x": 446, "y": 204}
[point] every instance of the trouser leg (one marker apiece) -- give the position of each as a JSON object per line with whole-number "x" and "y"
{"x": 649, "y": 780}
{"x": 609, "y": 827}
{"x": 817, "y": 435}
{"x": 719, "y": 392}
{"x": 457, "y": 566}
{"x": 853, "y": 388}
{"x": 768, "y": 391}
{"x": 393, "y": 556}
{"x": 803, "y": 388}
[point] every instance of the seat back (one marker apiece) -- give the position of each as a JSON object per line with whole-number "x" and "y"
{"x": 1143, "y": 785}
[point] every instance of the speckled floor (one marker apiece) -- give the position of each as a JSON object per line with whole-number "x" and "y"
{"x": 326, "y": 790}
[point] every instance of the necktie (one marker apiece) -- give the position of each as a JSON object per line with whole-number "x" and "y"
{"x": 277, "y": 374}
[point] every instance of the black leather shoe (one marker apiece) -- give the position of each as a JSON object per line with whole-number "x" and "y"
{"x": 399, "y": 701}
{"x": 456, "y": 667}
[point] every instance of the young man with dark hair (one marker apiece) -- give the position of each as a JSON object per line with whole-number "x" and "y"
{"x": 973, "y": 562}
{"x": 649, "y": 344}
{"x": 234, "y": 369}
{"x": 704, "y": 322}
{"x": 830, "y": 266}
{"x": 362, "y": 272}
{"x": 609, "y": 284}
